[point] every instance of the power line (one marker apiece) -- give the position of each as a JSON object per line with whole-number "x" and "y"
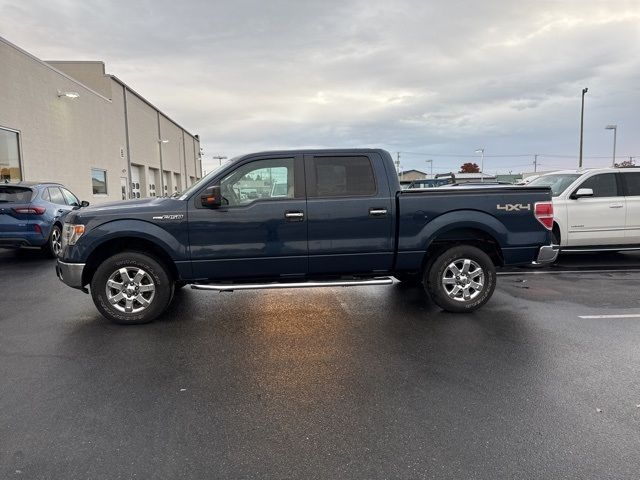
{"x": 550, "y": 155}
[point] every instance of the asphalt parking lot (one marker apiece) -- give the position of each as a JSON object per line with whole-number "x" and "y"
{"x": 371, "y": 382}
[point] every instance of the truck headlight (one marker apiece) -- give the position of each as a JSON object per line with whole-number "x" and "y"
{"x": 71, "y": 234}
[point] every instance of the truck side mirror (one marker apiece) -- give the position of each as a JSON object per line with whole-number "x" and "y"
{"x": 211, "y": 198}
{"x": 582, "y": 192}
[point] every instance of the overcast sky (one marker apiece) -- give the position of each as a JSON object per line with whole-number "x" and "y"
{"x": 441, "y": 78}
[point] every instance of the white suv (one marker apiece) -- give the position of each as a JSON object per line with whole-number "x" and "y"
{"x": 595, "y": 209}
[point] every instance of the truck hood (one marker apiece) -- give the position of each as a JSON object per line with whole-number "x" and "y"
{"x": 143, "y": 209}
{"x": 127, "y": 205}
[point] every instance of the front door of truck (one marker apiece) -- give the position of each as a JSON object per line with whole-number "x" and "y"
{"x": 599, "y": 219}
{"x": 349, "y": 214}
{"x": 261, "y": 228}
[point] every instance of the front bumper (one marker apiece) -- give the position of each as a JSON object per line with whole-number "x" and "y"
{"x": 70, "y": 273}
{"x": 547, "y": 254}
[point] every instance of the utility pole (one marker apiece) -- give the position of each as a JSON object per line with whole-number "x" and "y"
{"x": 615, "y": 132}
{"x": 535, "y": 163}
{"x": 481, "y": 152}
{"x": 398, "y": 164}
{"x": 584, "y": 90}
{"x": 219, "y": 158}
{"x": 431, "y": 162}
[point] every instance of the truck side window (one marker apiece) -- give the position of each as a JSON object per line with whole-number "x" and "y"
{"x": 262, "y": 179}
{"x": 342, "y": 176}
{"x": 632, "y": 181}
{"x": 603, "y": 185}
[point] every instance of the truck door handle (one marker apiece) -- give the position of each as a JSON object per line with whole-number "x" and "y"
{"x": 615, "y": 205}
{"x": 377, "y": 212}
{"x": 294, "y": 216}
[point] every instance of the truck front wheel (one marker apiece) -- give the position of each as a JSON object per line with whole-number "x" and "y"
{"x": 461, "y": 279}
{"x": 131, "y": 288}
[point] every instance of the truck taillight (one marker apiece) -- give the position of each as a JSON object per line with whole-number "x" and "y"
{"x": 544, "y": 214}
{"x": 29, "y": 210}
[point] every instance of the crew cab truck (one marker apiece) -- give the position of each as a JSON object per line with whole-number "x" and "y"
{"x": 342, "y": 220}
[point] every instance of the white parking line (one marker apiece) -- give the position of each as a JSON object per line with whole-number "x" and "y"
{"x": 629, "y": 315}
{"x": 557, "y": 272}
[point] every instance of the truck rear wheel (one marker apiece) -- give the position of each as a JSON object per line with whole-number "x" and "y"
{"x": 461, "y": 279}
{"x": 131, "y": 288}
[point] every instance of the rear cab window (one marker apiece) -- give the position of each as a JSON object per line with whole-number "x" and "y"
{"x": 15, "y": 194}
{"x": 341, "y": 176}
{"x": 631, "y": 182}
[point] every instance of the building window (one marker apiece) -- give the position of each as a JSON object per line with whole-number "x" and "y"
{"x": 99, "y": 181}
{"x": 9, "y": 156}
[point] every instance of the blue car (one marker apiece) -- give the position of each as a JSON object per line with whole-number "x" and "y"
{"x": 32, "y": 213}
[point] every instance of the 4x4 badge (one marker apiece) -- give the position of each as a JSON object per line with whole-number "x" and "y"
{"x": 514, "y": 207}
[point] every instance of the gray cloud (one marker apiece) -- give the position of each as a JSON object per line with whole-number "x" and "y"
{"x": 413, "y": 76}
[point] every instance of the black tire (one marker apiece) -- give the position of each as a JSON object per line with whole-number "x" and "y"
{"x": 555, "y": 234}
{"x": 409, "y": 279}
{"x": 155, "y": 274}
{"x": 52, "y": 248}
{"x": 435, "y": 283}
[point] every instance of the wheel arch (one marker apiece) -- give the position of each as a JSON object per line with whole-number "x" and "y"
{"x": 127, "y": 243}
{"x": 475, "y": 236}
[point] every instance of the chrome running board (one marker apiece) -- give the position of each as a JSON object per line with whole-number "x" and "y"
{"x": 228, "y": 287}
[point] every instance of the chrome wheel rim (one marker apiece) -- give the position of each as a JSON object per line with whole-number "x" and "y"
{"x": 56, "y": 242}
{"x": 463, "y": 280}
{"x": 130, "y": 290}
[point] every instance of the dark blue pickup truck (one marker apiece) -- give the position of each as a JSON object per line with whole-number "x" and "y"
{"x": 310, "y": 218}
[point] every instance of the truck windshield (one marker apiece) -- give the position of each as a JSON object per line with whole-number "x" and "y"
{"x": 558, "y": 182}
{"x": 203, "y": 181}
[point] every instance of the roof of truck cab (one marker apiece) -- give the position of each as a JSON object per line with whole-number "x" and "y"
{"x": 316, "y": 150}
{"x": 582, "y": 171}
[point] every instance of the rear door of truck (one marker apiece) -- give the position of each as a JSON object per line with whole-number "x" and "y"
{"x": 350, "y": 212}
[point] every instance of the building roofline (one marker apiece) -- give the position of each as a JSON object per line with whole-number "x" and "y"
{"x": 50, "y": 67}
{"x": 116, "y": 79}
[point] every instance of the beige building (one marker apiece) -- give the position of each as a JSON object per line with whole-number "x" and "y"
{"x": 69, "y": 122}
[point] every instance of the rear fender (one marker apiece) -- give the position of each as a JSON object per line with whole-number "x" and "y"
{"x": 462, "y": 219}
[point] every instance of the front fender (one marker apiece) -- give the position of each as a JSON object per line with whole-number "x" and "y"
{"x": 171, "y": 239}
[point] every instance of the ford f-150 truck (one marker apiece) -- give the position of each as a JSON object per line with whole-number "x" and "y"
{"x": 337, "y": 218}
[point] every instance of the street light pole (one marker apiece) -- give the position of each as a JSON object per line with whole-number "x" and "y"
{"x": 615, "y": 132}
{"x": 481, "y": 152}
{"x": 584, "y": 90}
{"x": 431, "y": 162}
